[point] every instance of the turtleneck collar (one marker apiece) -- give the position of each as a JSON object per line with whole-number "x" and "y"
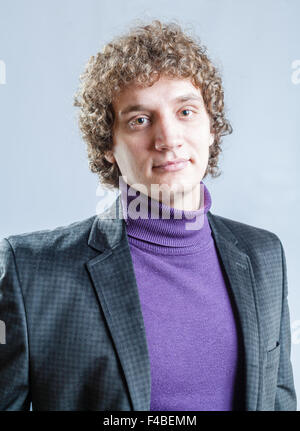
{"x": 168, "y": 226}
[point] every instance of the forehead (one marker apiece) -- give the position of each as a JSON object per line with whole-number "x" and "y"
{"x": 164, "y": 90}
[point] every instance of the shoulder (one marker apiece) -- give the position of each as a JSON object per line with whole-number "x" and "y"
{"x": 50, "y": 240}
{"x": 262, "y": 247}
{"x": 251, "y": 239}
{"x": 240, "y": 229}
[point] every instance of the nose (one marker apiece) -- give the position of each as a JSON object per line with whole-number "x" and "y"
{"x": 167, "y": 135}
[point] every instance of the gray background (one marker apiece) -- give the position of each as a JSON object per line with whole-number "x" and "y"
{"x": 44, "y": 176}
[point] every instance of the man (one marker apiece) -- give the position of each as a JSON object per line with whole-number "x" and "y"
{"x": 184, "y": 312}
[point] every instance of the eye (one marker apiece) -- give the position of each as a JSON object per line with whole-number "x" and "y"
{"x": 186, "y": 112}
{"x": 140, "y": 121}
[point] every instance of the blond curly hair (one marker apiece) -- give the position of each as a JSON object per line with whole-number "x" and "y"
{"x": 142, "y": 55}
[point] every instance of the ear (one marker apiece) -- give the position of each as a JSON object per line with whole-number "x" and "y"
{"x": 109, "y": 157}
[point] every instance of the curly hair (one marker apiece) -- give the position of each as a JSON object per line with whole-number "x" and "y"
{"x": 142, "y": 55}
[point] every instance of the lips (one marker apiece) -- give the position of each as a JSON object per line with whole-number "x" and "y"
{"x": 171, "y": 162}
{"x": 172, "y": 166}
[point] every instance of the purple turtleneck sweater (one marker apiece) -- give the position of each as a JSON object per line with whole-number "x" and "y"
{"x": 190, "y": 322}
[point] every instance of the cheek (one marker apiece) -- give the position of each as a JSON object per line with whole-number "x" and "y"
{"x": 130, "y": 159}
{"x": 201, "y": 137}
{"x": 122, "y": 150}
{"x": 200, "y": 141}
{"x": 200, "y": 149}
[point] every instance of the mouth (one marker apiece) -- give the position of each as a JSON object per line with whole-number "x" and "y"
{"x": 176, "y": 165}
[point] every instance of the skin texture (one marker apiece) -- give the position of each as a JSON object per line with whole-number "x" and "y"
{"x": 164, "y": 128}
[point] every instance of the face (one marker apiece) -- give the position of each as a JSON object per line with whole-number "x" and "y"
{"x": 158, "y": 124}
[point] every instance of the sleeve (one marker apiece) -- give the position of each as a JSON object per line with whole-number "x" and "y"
{"x": 14, "y": 352}
{"x": 285, "y": 393}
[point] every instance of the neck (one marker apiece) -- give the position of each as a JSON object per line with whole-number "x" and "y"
{"x": 185, "y": 198}
{"x": 152, "y": 221}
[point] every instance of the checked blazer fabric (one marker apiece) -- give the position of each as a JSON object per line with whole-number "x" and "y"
{"x": 75, "y": 337}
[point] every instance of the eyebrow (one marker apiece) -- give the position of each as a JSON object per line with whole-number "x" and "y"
{"x": 179, "y": 99}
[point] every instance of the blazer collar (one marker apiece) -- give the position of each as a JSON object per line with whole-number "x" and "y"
{"x": 108, "y": 228}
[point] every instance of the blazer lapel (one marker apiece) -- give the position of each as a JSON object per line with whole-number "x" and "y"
{"x": 114, "y": 280}
{"x": 238, "y": 268}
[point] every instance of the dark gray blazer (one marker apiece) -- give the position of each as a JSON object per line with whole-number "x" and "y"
{"x": 75, "y": 337}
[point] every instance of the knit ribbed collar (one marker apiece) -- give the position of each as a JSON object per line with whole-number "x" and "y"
{"x": 179, "y": 228}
